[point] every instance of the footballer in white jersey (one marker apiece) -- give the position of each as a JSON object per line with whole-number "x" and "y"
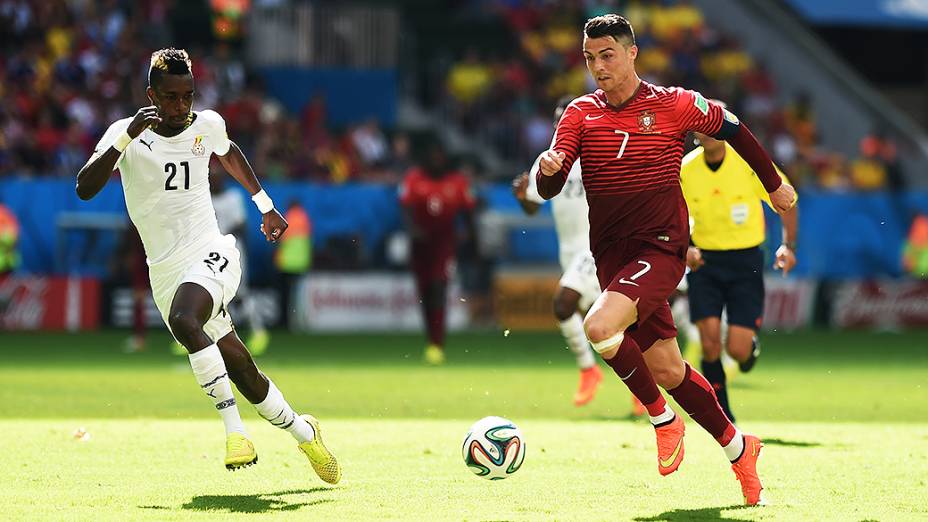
{"x": 578, "y": 287}
{"x": 162, "y": 154}
{"x": 166, "y": 186}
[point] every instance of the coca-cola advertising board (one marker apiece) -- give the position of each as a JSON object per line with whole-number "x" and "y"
{"x": 49, "y": 303}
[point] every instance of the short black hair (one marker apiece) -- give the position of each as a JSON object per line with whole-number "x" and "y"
{"x": 168, "y": 61}
{"x": 616, "y": 26}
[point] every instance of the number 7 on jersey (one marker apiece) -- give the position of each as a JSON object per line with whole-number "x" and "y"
{"x": 624, "y": 142}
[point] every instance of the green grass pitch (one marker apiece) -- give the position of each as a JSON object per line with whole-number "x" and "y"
{"x": 844, "y": 417}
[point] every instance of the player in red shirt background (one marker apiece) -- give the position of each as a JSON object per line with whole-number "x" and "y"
{"x": 433, "y": 196}
{"x": 629, "y": 137}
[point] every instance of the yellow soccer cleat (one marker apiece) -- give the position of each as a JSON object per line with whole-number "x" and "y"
{"x": 434, "y": 355}
{"x": 321, "y": 459}
{"x": 240, "y": 452}
{"x": 258, "y": 342}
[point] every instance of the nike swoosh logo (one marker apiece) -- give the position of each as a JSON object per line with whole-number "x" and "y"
{"x": 672, "y": 457}
{"x": 627, "y": 282}
{"x": 591, "y": 117}
{"x": 629, "y": 376}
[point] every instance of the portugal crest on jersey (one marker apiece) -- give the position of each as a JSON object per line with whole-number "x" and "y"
{"x": 646, "y": 121}
{"x": 198, "y": 148}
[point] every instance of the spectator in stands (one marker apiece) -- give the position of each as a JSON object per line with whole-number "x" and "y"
{"x": 879, "y": 149}
{"x": 469, "y": 79}
{"x": 831, "y": 171}
{"x": 868, "y": 172}
{"x": 370, "y": 143}
{"x": 800, "y": 120}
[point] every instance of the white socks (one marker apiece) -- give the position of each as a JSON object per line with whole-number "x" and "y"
{"x": 275, "y": 409}
{"x": 734, "y": 448}
{"x": 572, "y": 330}
{"x": 667, "y": 416}
{"x": 210, "y": 372}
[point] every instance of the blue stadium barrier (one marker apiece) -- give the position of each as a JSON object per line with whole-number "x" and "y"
{"x": 370, "y": 211}
{"x": 347, "y": 92}
{"x": 841, "y": 235}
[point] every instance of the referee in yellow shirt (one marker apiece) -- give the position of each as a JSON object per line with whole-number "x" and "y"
{"x": 726, "y": 262}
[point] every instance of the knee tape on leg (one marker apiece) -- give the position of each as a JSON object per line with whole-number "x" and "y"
{"x": 607, "y": 344}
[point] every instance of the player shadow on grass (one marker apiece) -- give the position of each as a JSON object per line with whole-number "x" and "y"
{"x": 742, "y": 384}
{"x": 628, "y": 417}
{"x": 791, "y": 443}
{"x": 710, "y": 513}
{"x": 257, "y": 503}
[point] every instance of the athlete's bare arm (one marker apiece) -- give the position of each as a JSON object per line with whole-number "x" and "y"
{"x": 95, "y": 173}
{"x": 786, "y": 254}
{"x": 273, "y": 224}
{"x": 782, "y": 195}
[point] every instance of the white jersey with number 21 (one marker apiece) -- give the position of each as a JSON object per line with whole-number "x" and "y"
{"x": 166, "y": 185}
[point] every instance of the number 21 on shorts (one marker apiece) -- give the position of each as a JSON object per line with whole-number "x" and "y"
{"x": 636, "y": 275}
{"x": 214, "y": 259}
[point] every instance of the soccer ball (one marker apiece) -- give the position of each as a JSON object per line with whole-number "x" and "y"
{"x": 493, "y": 448}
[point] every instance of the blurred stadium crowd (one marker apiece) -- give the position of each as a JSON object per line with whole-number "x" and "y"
{"x": 69, "y": 68}
{"x": 505, "y": 95}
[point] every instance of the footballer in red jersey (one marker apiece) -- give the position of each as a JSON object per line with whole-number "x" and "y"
{"x": 433, "y": 197}
{"x": 628, "y": 136}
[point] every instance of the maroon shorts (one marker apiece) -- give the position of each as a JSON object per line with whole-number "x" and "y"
{"x": 646, "y": 273}
{"x": 430, "y": 264}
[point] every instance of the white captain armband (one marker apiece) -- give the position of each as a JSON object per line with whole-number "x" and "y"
{"x": 122, "y": 141}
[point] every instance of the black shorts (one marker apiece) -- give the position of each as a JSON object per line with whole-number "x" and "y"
{"x": 730, "y": 279}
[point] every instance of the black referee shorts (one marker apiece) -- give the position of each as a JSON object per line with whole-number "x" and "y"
{"x": 730, "y": 279}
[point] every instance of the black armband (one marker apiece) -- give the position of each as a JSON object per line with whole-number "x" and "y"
{"x": 727, "y": 130}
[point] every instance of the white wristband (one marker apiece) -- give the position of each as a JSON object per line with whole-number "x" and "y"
{"x": 122, "y": 141}
{"x": 263, "y": 202}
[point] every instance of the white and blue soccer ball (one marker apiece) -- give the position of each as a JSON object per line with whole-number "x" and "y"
{"x": 493, "y": 448}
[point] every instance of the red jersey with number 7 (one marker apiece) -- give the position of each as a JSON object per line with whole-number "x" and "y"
{"x": 630, "y": 157}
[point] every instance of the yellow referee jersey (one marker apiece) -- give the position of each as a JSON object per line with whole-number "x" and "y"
{"x": 724, "y": 204}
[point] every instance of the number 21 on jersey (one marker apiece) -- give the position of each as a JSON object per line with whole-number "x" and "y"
{"x": 171, "y": 170}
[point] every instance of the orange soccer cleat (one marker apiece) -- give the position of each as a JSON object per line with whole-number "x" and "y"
{"x": 670, "y": 445}
{"x": 589, "y": 381}
{"x": 745, "y": 469}
{"x": 638, "y": 409}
